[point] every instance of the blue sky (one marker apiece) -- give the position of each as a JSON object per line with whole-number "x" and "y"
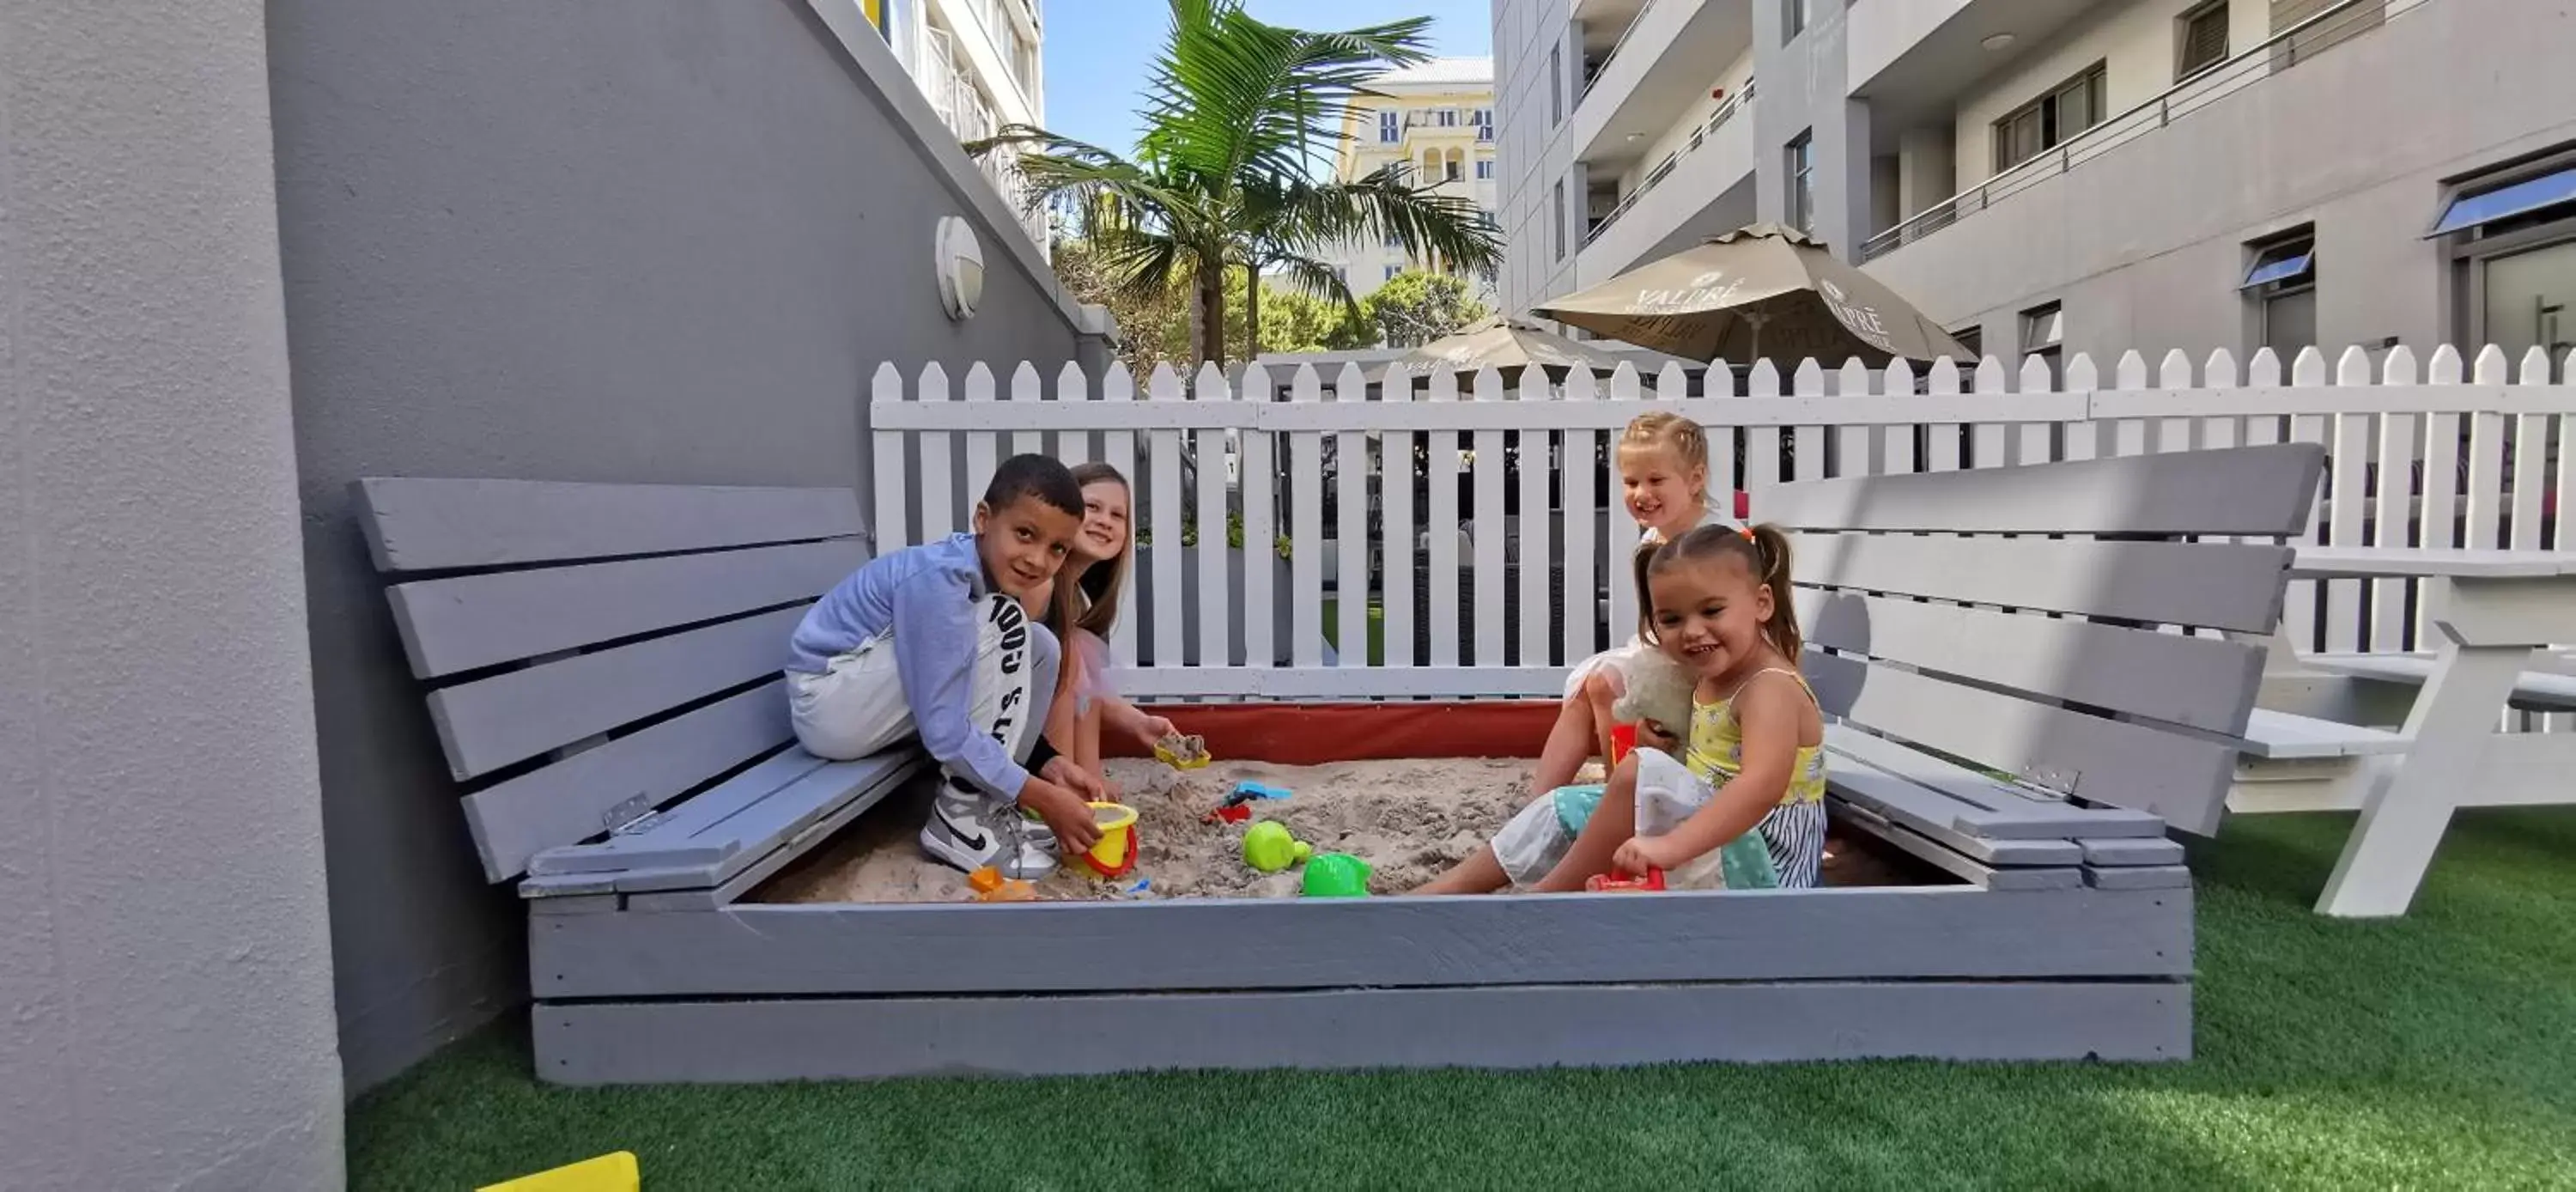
{"x": 1097, "y": 51}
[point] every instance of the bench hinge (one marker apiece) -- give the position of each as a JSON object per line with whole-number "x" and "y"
{"x": 631, "y": 816}
{"x": 2050, "y": 781}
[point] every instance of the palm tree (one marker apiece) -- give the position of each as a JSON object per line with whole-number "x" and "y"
{"x": 1233, "y": 169}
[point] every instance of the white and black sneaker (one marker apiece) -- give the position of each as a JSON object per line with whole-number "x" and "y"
{"x": 971, "y": 830}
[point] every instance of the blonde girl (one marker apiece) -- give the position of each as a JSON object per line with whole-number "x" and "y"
{"x": 1663, "y": 475}
{"x": 1085, "y": 609}
{"x": 1743, "y": 806}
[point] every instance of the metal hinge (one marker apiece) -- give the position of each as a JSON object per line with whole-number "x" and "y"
{"x": 631, "y": 816}
{"x": 2050, "y": 781}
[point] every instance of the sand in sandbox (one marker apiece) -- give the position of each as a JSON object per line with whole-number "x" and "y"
{"x": 1408, "y": 819}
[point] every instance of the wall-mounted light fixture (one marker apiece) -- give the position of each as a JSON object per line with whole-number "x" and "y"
{"x": 961, "y": 267}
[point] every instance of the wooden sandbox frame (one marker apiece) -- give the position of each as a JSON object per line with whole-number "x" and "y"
{"x": 608, "y": 655}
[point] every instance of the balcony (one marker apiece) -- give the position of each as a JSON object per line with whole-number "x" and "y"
{"x": 1701, "y": 189}
{"x": 1665, "y": 61}
{"x": 2308, "y": 38}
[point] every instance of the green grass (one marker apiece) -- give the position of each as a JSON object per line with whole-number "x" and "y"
{"x": 2433, "y": 1051}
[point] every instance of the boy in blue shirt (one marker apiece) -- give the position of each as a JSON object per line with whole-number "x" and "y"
{"x": 937, "y": 642}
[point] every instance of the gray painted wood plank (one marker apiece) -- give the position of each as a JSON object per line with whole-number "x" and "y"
{"x": 470, "y": 621}
{"x": 1982, "y": 876}
{"x": 515, "y": 715}
{"x": 2285, "y": 736}
{"x": 1865, "y": 790}
{"x": 2181, "y": 779}
{"x": 754, "y": 949}
{"x": 2219, "y": 585}
{"x": 2137, "y": 877}
{"x": 1515, "y": 1027}
{"x": 665, "y": 891}
{"x": 1986, "y": 807}
{"x": 780, "y": 828}
{"x": 425, "y": 524}
{"x": 2132, "y": 851}
{"x": 735, "y": 827}
{"x": 569, "y": 801}
{"x": 2255, "y": 491}
{"x": 577, "y": 904}
{"x": 2204, "y": 682}
{"x": 674, "y": 828}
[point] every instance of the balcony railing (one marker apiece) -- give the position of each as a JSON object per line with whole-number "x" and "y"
{"x": 1601, "y": 67}
{"x": 2322, "y": 31}
{"x": 1699, "y": 135}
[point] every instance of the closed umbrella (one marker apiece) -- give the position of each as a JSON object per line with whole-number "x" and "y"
{"x": 1762, "y": 292}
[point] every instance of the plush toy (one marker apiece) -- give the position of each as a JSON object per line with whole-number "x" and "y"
{"x": 1653, "y": 687}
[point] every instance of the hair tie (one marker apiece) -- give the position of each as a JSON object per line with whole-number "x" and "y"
{"x": 1747, "y": 531}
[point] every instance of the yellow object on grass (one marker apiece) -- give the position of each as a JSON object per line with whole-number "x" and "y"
{"x": 607, "y": 1173}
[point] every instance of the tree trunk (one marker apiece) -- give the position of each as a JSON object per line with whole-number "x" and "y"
{"x": 1252, "y": 312}
{"x": 1211, "y": 310}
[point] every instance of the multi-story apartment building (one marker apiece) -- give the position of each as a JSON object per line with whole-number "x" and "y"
{"x": 2049, "y": 176}
{"x": 980, "y": 65}
{"x": 1436, "y": 117}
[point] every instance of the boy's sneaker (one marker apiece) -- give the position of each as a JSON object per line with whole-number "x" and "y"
{"x": 970, "y": 831}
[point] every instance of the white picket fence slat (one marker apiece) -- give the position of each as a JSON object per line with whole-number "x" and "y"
{"x": 1504, "y": 558}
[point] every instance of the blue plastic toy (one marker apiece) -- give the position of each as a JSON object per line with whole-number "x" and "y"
{"x": 1247, "y": 791}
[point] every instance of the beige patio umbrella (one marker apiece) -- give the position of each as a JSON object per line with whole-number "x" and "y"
{"x": 1509, "y": 346}
{"x": 1503, "y": 343}
{"x": 1763, "y": 291}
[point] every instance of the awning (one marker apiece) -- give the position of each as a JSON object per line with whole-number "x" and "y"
{"x": 2469, "y": 211}
{"x": 2281, "y": 266}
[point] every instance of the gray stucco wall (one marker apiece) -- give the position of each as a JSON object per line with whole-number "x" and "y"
{"x": 165, "y": 1000}
{"x": 607, "y": 240}
{"x": 2145, "y": 245}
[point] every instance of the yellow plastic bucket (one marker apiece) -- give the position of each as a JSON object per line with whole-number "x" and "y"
{"x": 1116, "y": 852}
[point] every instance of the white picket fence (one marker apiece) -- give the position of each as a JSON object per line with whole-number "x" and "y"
{"x": 1462, "y": 617}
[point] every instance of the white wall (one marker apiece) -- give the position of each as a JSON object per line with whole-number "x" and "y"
{"x": 165, "y": 963}
{"x": 2136, "y": 44}
{"x": 1676, "y": 135}
{"x": 2145, "y": 245}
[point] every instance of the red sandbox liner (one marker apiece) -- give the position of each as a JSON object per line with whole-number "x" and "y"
{"x": 1313, "y": 734}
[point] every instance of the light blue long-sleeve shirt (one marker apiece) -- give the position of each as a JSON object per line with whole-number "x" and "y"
{"x": 931, "y": 597}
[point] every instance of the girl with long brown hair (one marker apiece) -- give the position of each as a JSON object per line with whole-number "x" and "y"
{"x": 1085, "y": 609}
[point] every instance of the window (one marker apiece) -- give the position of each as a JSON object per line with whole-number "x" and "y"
{"x": 2200, "y": 39}
{"x": 1802, "y": 182}
{"x": 2512, "y": 239}
{"x": 1973, "y": 341}
{"x": 2281, "y": 283}
{"x": 1394, "y": 241}
{"x": 1793, "y": 19}
{"x": 1556, "y": 222}
{"x": 1453, "y": 169}
{"x": 1391, "y": 271}
{"x": 2049, "y": 121}
{"x": 1390, "y": 128}
{"x": 1484, "y": 169}
{"x": 1445, "y": 117}
{"x": 1555, "y": 85}
{"x": 2043, "y": 334}
{"x": 2498, "y": 204}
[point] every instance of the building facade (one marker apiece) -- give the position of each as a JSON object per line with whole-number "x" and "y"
{"x": 981, "y": 65}
{"x": 1437, "y": 119}
{"x": 2052, "y": 176}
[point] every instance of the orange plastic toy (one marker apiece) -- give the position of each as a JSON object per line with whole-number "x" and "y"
{"x": 1623, "y": 741}
{"x": 990, "y": 886}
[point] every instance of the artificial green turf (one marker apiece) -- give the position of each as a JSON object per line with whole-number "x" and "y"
{"x": 2434, "y": 1051}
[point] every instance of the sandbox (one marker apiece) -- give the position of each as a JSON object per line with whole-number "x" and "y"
{"x": 1408, "y": 818}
